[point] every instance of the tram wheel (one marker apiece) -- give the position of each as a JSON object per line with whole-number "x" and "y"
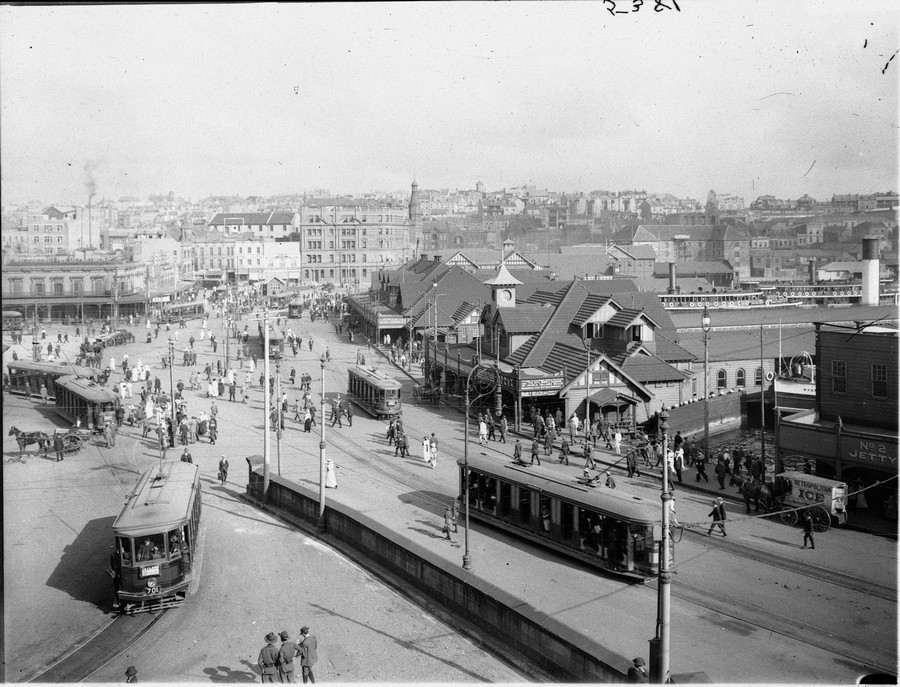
{"x": 788, "y": 517}
{"x": 821, "y": 518}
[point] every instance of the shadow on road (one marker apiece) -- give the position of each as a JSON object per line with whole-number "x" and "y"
{"x": 81, "y": 571}
{"x": 226, "y": 674}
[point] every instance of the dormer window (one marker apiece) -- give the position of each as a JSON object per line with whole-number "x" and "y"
{"x": 593, "y": 330}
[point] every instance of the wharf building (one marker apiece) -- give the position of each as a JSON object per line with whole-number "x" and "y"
{"x": 851, "y": 434}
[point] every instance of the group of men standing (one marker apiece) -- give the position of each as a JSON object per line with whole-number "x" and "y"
{"x": 279, "y": 660}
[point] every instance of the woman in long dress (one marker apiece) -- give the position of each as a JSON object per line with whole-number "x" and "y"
{"x": 330, "y": 475}
{"x": 426, "y": 449}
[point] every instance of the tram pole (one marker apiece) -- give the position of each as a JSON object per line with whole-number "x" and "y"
{"x": 172, "y": 376}
{"x": 266, "y": 404}
{"x": 659, "y": 668}
{"x": 278, "y": 415}
{"x": 320, "y": 524}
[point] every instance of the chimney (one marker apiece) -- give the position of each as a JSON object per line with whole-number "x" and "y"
{"x": 437, "y": 258}
{"x": 870, "y": 271}
{"x": 672, "y": 288}
{"x": 812, "y": 271}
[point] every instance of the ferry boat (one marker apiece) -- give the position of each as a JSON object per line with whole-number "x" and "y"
{"x": 764, "y": 297}
{"x": 795, "y": 387}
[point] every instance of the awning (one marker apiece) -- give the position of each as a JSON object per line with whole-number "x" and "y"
{"x": 612, "y": 397}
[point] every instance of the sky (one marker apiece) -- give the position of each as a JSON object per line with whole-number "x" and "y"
{"x": 751, "y": 98}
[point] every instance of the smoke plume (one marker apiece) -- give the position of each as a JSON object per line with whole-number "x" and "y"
{"x": 90, "y": 182}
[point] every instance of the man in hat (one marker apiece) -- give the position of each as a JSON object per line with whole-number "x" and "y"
{"x": 131, "y": 675}
{"x": 636, "y": 672}
{"x": 718, "y": 516}
{"x": 308, "y": 655}
{"x": 268, "y": 659}
{"x": 289, "y": 650}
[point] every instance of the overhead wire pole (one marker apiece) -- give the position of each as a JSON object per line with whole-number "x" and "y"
{"x": 320, "y": 524}
{"x": 266, "y": 405}
{"x": 278, "y": 411}
{"x": 661, "y": 642}
{"x": 762, "y": 402}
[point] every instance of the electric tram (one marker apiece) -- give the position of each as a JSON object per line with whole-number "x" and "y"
{"x": 276, "y": 341}
{"x": 183, "y": 311}
{"x": 605, "y": 528}
{"x": 33, "y": 373}
{"x": 85, "y": 400}
{"x": 374, "y": 391}
{"x": 156, "y": 539}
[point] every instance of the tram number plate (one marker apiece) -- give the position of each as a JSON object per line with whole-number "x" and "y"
{"x": 391, "y": 403}
{"x": 150, "y": 571}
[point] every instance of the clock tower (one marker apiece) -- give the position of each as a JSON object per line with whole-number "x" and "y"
{"x": 503, "y": 288}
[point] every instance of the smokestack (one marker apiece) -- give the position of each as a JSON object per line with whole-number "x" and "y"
{"x": 870, "y": 271}
{"x": 812, "y": 271}
{"x": 672, "y": 288}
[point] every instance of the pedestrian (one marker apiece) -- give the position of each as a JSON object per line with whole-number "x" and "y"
{"x": 213, "y": 430}
{"x": 610, "y": 482}
{"x": 535, "y": 450}
{"x": 808, "y": 530}
{"x": 330, "y": 474}
{"x": 701, "y": 467}
{"x": 548, "y": 442}
{"x": 564, "y": 451}
{"x": 186, "y": 456}
{"x": 517, "y": 451}
{"x": 131, "y": 675}
{"x": 673, "y": 519}
{"x": 223, "y": 470}
{"x": 58, "y": 446}
{"x": 349, "y": 413}
{"x": 108, "y": 435}
{"x": 163, "y": 444}
{"x": 268, "y": 659}
{"x": 589, "y": 458}
{"x": 448, "y": 522}
{"x": 504, "y": 427}
{"x": 308, "y": 650}
{"x": 45, "y": 398}
{"x": 617, "y": 442}
{"x": 482, "y": 432}
{"x": 636, "y": 673}
{"x": 286, "y": 654}
{"x": 721, "y": 471}
{"x": 718, "y": 516}
{"x": 433, "y": 448}
{"x": 491, "y": 427}
{"x": 426, "y": 449}
{"x": 678, "y": 463}
{"x": 336, "y": 413}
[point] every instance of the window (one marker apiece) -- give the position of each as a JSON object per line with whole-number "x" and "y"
{"x": 721, "y": 379}
{"x": 879, "y": 380}
{"x": 758, "y": 377}
{"x": 741, "y": 379}
{"x": 839, "y": 376}
{"x": 37, "y": 287}
{"x": 57, "y": 288}
{"x": 16, "y": 286}
{"x": 77, "y": 286}
{"x": 48, "y": 239}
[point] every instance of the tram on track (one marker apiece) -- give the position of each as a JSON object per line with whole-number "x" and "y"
{"x": 12, "y": 320}
{"x": 157, "y": 539}
{"x": 374, "y": 391}
{"x": 605, "y": 528}
{"x": 276, "y": 341}
{"x": 34, "y": 373}
{"x": 183, "y": 311}
{"x": 85, "y": 400}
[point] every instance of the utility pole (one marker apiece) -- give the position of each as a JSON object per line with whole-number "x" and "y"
{"x": 762, "y": 402}
{"x": 320, "y": 524}
{"x": 266, "y": 404}
{"x": 278, "y": 411}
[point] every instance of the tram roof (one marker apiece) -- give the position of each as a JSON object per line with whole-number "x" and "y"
{"x": 86, "y": 389}
{"x": 11, "y": 313}
{"x": 376, "y": 377}
{"x": 61, "y": 368}
{"x": 161, "y": 500}
{"x": 599, "y": 498}
{"x": 175, "y": 306}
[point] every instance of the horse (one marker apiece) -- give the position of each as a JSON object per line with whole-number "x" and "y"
{"x": 756, "y": 491}
{"x": 23, "y": 439}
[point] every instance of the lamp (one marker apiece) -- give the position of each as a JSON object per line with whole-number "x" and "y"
{"x": 659, "y": 667}
{"x": 320, "y": 524}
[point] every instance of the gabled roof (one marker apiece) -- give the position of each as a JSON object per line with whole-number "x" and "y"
{"x": 591, "y": 304}
{"x": 625, "y": 318}
{"x": 638, "y": 252}
{"x": 671, "y": 352}
{"x": 523, "y": 319}
{"x": 649, "y": 368}
{"x": 518, "y": 356}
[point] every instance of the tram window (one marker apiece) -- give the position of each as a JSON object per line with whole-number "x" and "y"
{"x": 151, "y": 546}
{"x": 643, "y": 546}
{"x": 567, "y": 519}
{"x": 505, "y": 499}
{"x": 123, "y": 548}
{"x": 546, "y": 513}
{"x": 615, "y": 541}
{"x": 524, "y": 505}
{"x": 175, "y": 544}
{"x": 475, "y": 490}
{"x": 489, "y": 495}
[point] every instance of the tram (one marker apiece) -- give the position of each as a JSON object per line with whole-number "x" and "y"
{"x": 183, "y": 311}
{"x": 12, "y": 320}
{"x": 34, "y": 373}
{"x": 605, "y": 528}
{"x": 296, "y": 307}
{"x": 276, "y": 341}
{"x": 81, "y": 399}
{"x": 374, "y": 391}
{"x": 157, "y": 539}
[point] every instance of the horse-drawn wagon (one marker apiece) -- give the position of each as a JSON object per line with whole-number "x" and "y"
{"x": 427, "y": 391}
{"x": 792, "y": 493}
{"x": 824, "y": 499}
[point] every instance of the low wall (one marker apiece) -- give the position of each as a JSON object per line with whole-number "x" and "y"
{"x": 725, "y": 413}
{"x": 565, "y": 654}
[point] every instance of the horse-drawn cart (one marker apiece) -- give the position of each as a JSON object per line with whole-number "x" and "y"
{"x": 74, "y": 439}
{"x": 824, "y": 499}
{"x": 424, "y": 392}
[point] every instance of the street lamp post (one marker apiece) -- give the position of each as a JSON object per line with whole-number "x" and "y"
{"x": 320, "y": 524}
{"x": 705, "y": 322}
{"x": 172, "y": 376}
{"x": 498, "y": 409}
{"x": 660, "y": 671}
{"x": 587, "y": 395}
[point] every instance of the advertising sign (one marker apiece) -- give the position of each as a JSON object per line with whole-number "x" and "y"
{"x": 870, "y": 452}
{"x": 542, "y": 386}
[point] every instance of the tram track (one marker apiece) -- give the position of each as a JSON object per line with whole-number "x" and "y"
{"x": 104, "y": 646}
